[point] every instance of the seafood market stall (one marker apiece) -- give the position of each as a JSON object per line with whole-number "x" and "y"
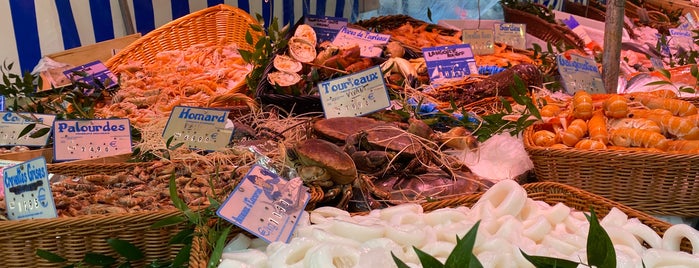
{"x": 216, "y": 140}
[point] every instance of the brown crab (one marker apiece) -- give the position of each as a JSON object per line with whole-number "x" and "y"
{"x": 324, "y": 164}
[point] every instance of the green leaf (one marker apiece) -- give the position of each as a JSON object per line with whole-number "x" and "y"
{"x": 429, "y": 14}
{"x": 126, "y": 249}
{"x": 549, "y": 262}
{"x": 27, "y": 129}
{"x": 172, "y": 220}
{"x": 657, "y": 83}
{"x": 124, "y": 265}
{"x": 687, "y": 89}
{"x": 176, "y": 200}
{"x": 98, "y": 259}
{"x": 182, "y": 256}
{"x": 463, "y": 251}
{"x": 399, "y": 262}
{"x": 50, "y": 256}
{"x": 600, "y": 250}
{"x": 694, "y": 71}
{"x": 665, "y": 73}
{"x": 248, "y": 37}
{"x": 506, "y": 104}
{"x": 182, "y": 237}
{"x": 41, "y": 132}
{"x": 256, "y": 27}
{"x": 218, "y": 248}
{"x": 427, "y": 260}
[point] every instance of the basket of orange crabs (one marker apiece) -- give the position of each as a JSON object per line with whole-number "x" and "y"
{"x": 636, "y": 148}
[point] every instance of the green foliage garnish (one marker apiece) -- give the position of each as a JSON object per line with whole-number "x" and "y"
{"x": 127, "y": 254}
{"x": 269, "y": 43}
{"x": 461, "y": 257}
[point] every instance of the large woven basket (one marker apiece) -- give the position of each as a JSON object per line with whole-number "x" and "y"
{"x": 549, "y": 192}
{"x": 655, "y": 183}
{"x": 542, "y": 29}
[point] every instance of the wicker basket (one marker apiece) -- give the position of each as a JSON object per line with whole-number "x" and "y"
{"x": 213, "y": 24}
{"x": 655, "y": 183}
{"x": 549, "y": 192}
{"x": 542, "y": 29}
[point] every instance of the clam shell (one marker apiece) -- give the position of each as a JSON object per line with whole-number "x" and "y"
{"x": 307, "y": 33}
{"x": 283, "y": 79}
{"x": 287, "y": 64}
{"x": 301, "y": 50}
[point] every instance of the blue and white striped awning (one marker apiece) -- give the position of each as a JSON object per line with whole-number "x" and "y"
{"x": 33, "y": 28}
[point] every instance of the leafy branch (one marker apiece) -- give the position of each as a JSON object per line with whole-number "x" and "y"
{"x": 270, "y": 42}
{"x": 128, "y": 254}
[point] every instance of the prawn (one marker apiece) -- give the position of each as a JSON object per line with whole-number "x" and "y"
{"x": 550, "y": 110}
{"x": 676, "y": 106}
{"x": 582, "y": 105}
{"x": 676, "y": 126}
{"x": 575, "y": 131}
{"x": 590, "y": 144}
{"x": 544, "y": 138}
{"x": 597, "y": 127}
{"x": 683, "y": 145}
{"x": 631, "y": 137}
{"x": 615, "y": 106}
{"x": 640, "y": 123}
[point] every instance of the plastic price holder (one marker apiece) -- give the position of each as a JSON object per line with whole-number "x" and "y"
{"x": 449, "y": 62}
{"x": 198, "y": 128}
{"x": 513, "y": 34}
{"x": 266, "y": 205}
{"x": 12, "y": 124}
{"x": 481, "y": 40}
{"x": 580, "y": 73}
{"x": 355, "y": 94}
{"x": 27, "y": 191}
{"x": 326, "y": 27}
{"x": 87, "y": 139}
{"x": 681, "y": 38}
{"x": 370, "y": 44}
{"x": 94, "y": 74}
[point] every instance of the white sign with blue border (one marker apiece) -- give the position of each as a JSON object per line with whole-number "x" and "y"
{"x": 12, "y": 124}
{"x": 370, "y": 44}
{"x": 266, "y": 205}
{"x": 357, "y": 94}
{"x": 326, "y": 27}
{"x": 580, "y": 73}
{"x": 28, "y": 191}
{"x": 87, "y": 139}
{"x": 198, "y": 128}
{"x": 449, "y": 62}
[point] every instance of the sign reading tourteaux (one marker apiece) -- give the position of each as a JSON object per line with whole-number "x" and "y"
{"x": 198, "y": 128}
{"x": 354, "y": 95}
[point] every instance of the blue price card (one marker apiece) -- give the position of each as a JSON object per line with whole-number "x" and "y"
{"x": 198, "y": 128}
{"x": 266, "y": 205}
{"x": 356, "y": 94}
{"x": 27, "y": 191}
{"x": 580, "y": 73}
{"x": 449, "y": 62}
{"x": 12, "y": 124}
{"x": 87, "y": 139}
{"x": 94, "y": 73}
{"x": 326, "y": 27}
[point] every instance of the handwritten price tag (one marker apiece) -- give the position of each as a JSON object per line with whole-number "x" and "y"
{"x": 481, "y": 40}
{"x": 681, "y": 38}
{"x": 27, "y": 191}
{"x": 198, "y": 128}
{"x": 580, "y": 73}
{"x": 266, "y": 205}
{"x": 513, "y": 34}
{"x": 354, "y": 95}
{"x": 86, "y": 139}
{"x": 369, "y": 43}
{"x": 449, "y": 62}
{"x": 12, "y": 124}
{"x": 326, "y": 27}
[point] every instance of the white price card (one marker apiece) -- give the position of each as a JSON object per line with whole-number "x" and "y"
{"x": 513, "y": 34}
{"x": 266, "y": 205}
{"x": 27, "y": 191}
{"x": 326, "y": 27}
{"x": 87, "y": 139}
{"x": 94, "y": 73}
{"x": 681, "y": 38}
{"x": 356, "y": 94}
{"x": 449, "y": 62}
{"x": 481, "y": 40}
{"x": 580, "y": 73}
{"x": 198, "y": 128}
{"x": 12, "y": 124}
{"x": 370, "y": 44}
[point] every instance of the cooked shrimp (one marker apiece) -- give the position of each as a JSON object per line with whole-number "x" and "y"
{"x": 597, "y": 126}
{"x": 590, "y": 144}
{"x": 575, "y": 131}
{"x": 630, "y": 137}
{"x": 582, "y": 105}
{"x": 676, "y": 106}
{"x": 616, "y": 106}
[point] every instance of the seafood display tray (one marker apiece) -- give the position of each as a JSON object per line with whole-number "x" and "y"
{"x": 656, "y": 183}
{"x": 549, "y": 192}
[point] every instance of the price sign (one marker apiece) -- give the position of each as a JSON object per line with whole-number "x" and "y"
{"x": 449, "y": 62}
{"x": 198, "y": 128}
{"x": 513, "y": 34}
{"x": 27, "y": 191}
{"x": 12, "y": 124}
{"x": 2, "y": 103}
{"x": 691, "y": 21}
{"x": 354, "y": 95}
{"x": 94, "y": 73}
{"x": 266, "y": 205}
{"x": 681, "y": 38}
{"x": 370, "y": 44}
{"x": 4, "y": 164}
{"x": 86, "y": 139}
{"x": 580, "y": 73}
{"x": 326, "y": 27}
{"x": 481, "y": 40}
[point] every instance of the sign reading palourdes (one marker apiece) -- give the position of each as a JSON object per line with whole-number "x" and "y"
{"x": 86, "y": 139}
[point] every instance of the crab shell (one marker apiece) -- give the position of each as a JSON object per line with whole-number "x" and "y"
{"x": 324, "y": 154}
